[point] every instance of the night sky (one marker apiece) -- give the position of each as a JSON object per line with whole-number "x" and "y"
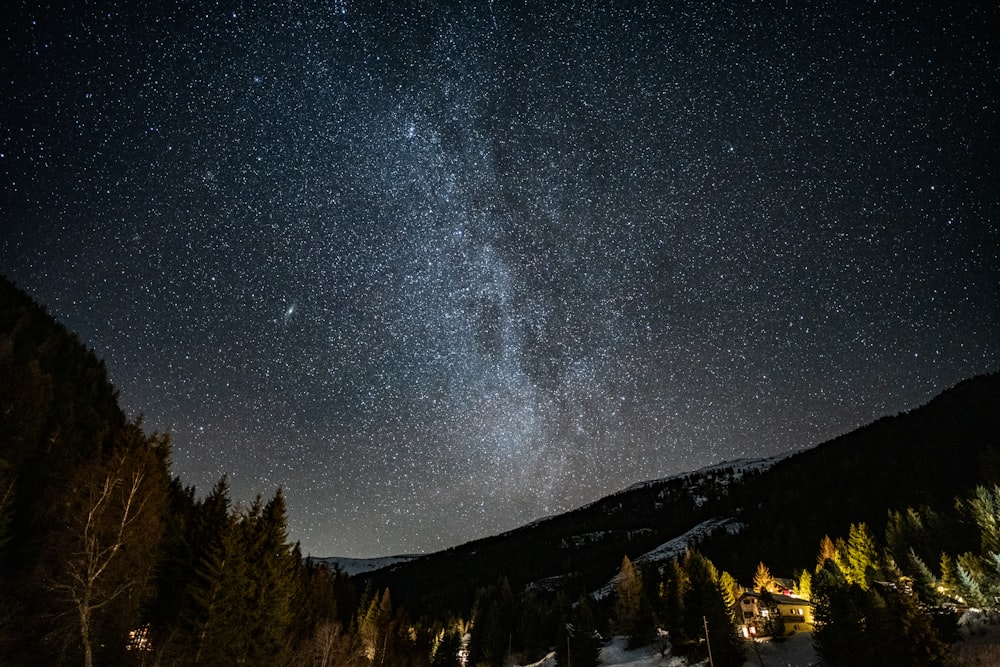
{"x": 438, "y": 271}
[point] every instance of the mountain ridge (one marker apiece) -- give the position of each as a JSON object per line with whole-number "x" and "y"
{"x": 352, "y": 565}
{"x": 783, "y": 509}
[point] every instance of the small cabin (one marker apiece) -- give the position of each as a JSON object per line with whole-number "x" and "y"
{"x": 794, "y": 612}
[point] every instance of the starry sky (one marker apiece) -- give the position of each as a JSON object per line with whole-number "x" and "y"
{"x": 441, "y": 269}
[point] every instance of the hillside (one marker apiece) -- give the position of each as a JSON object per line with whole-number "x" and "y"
{"x": 355, "y": 566}
{"x": 739, "y": 513}
{"x": 58, "y": 410}
{"x": 71, "y": 465}
{"x": 83, "y": 497}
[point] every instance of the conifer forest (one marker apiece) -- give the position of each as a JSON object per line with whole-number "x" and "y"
{"x": 109, "y": 559}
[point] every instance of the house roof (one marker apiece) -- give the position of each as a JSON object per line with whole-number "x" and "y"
{"x": 777, "y": 597}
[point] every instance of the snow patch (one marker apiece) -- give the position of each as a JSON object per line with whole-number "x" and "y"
{"x": 979, "y": 643}
{"x": 794, "y": 651}
{"x": 616, "y": 652}
{"x": 576, "y": 541}
{"x": 674, "y": 548}
{"x": 735, "y": 469}
{"x": 548, "y": 661}
{"x": 355, "y": 566}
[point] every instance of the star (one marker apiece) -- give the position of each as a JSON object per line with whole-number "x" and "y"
{"x": 441, "y": 273}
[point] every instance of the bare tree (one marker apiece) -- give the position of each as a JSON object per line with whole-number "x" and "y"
{"x": 329, "y": 645}
{"x": 111, "y": 523}
{"x": 9, "y": 613}
{"x": 6, "y": 500}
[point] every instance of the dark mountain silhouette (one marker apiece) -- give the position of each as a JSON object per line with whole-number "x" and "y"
{"x": 737, "y": 513}
{"x": 83, "y": 493}
{"x": 60, "y": 412}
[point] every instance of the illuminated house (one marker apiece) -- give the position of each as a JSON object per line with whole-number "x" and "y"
{"x": 795, "y": 613}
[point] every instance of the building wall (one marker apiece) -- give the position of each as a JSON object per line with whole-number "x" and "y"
{"x": 796, "y": 617}
{"x": 796, "y": 614}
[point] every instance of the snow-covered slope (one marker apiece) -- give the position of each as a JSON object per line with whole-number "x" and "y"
{"x": 353, "y": 566}
{"x": 795, "y": 651}
{"x": 675, "y": 547}
{"x": 728, "y": 471}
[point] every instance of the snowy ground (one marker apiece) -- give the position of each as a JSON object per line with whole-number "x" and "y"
{"x": 979, "y": 647}
{"x": 980, "y": 644}
{"x": 795, "y": 651}
{"x": 615, "y": 653}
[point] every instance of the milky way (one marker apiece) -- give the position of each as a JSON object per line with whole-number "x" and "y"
{"x": 438, "y": 272}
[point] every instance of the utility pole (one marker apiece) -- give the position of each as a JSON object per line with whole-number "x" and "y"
{"x": 708, "y": 643}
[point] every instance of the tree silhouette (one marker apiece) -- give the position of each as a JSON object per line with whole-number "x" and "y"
{"x": 628, "y": 596}
{"x": 763, "y": 580}
{"x": 583, "y": 643}
{"x": 112, "y": 521}
{"x": 705, "y": 605}
{"x": 861, "y": 558}
{"x": 827, "y": 551}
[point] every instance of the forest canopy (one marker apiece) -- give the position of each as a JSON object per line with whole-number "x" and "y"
{"x": 109, "y": 559}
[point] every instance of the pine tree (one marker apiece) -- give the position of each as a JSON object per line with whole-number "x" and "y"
{"x": 219, "y": 612}
{"x": 969, "y": 588}
{"x": 537, "y": 626}
{"x": 583, "y": 643}
{"x": 671, "y": 600}
{"x": 314, "y": 599}
{"x": 827, "y": 551}
{"x": 272, "y": 568}
{"x": 986, "y": 511}
{"x": 949, "y": 576}
{"x": 731, "y": 592}
{"x": 446, "y": 654}
{"x": 704, "y": 604}
{"x": 644, "y": 626}
{"x": 763, "y": 581}
{"x": 910, "y": 638}
{"x": 904, "y": 532}
{"x": 239, "y": 608}
{"x": 628, "y": 595}
{"x": 488, "y": 644}
{"x": 508, "y": 616}
{"x": 924, "y": 584}
{"x": 376, "y": 630}
{"x": 805, "y": 585}
{"x": 861, "y": 557}
{"x": 841, "y": 614}
{"x": 493, "y": 620}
